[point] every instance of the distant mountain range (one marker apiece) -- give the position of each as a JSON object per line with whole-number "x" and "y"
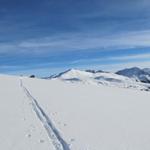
{"x": 142, "y": 75}
{"x": 134, "y": 78}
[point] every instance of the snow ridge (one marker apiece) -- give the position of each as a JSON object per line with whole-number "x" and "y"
{"x": 101, "y": 78}
{"x": 57, "y": 140}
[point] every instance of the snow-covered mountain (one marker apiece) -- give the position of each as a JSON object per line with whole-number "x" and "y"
{"x": 142, "y": 75}
{"x": 100, "y": 77}
{"x": 38, "y": 114}
{"x": 147, "y": 70}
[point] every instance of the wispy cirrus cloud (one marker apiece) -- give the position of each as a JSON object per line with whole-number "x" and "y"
{"x": 132, "y": 57}
{"x": 80, "y": 41}
{"x": 86, "y": 41}
{"x": 123, "y": 58}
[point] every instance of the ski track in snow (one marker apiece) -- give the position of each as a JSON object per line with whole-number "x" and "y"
{"x": 57, "y": 140}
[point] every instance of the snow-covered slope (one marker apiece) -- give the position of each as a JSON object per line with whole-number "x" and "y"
{"x": 41, "y": 114}
{"x": 20, "y": 129}
{"x": 147, "y": 70}
{"x": 142, "y": 75}
{"x": 105, "y": 78}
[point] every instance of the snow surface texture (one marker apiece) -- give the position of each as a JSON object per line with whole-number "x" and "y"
{"x": 38, "y": 114}
{"x": 53, "y": 133}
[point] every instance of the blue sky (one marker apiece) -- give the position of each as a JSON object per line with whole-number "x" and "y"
{"x": 43, "y": 37}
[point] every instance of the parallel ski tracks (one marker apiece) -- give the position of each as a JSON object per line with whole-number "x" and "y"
{"x": 53, "y": 133}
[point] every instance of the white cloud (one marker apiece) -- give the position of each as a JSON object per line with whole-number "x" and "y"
{"x": 84, "y": 41}
{"x": 71, "y": 42}
{"x": 132, "y": 57}
{"x": 135, "y": 57}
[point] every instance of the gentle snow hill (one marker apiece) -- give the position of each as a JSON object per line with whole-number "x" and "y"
{"x": 100, "y": 77}
{"x": 36, "y": 114}
{"x": 142, "y": 75}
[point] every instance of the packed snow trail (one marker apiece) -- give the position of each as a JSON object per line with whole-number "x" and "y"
{"x": 53, "y": 133}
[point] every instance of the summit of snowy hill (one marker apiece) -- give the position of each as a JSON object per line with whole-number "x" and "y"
{"x": 100, "y": 78}
{"x": 74, "y": 75}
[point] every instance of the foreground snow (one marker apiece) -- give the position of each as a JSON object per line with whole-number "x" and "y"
{"x": 19, "y": 128}
{"x": 39, "y": 114}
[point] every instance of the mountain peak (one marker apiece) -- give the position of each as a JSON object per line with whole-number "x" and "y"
{"x": 101, "y": 78}
{"x": 137, "y": 73}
